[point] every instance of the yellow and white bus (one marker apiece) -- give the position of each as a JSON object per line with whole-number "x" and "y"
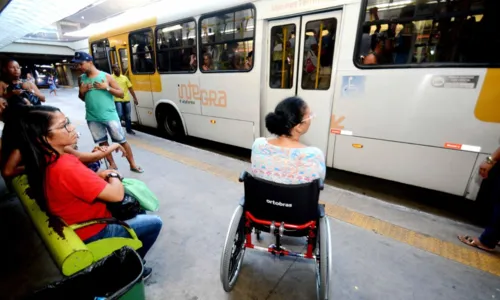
{"x": 404, "y": 90}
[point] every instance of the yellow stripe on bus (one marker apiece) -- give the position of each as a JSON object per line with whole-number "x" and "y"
{"x": 488, "y": 104}
{"x": 149, "y": 22}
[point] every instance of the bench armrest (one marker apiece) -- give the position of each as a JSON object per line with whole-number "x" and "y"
{"x": 105, "y": 221}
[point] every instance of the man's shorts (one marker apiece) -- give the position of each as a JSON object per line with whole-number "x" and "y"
{"x": 100, "y": 130}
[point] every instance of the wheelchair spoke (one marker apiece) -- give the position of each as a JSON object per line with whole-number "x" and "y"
{"x": 236, "y": 252}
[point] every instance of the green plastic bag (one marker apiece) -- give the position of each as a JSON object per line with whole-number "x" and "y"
{"x": 142, "y": 193}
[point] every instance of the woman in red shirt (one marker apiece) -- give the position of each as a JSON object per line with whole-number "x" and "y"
{"x": 64, "y": 187}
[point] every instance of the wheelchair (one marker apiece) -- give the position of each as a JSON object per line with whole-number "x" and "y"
{"x": 279, "y": 209}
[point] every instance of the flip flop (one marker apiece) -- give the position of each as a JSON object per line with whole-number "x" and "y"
{"x": 137, "y": 170}
{"x": 471, "y": 242}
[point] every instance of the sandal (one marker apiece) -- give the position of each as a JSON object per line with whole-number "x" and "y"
{"x": 473, "y": 243}
{"x": 137, "y": 170}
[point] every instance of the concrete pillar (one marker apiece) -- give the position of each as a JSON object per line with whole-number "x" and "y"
{"x": 69, "y": 75}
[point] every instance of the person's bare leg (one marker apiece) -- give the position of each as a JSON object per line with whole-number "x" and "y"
{"x": 112, "y": 164}
{"x": 130, "y": 156}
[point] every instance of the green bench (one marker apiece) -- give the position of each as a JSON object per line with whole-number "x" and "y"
{"x": 69, "y": 252}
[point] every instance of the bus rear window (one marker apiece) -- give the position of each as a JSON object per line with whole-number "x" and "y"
{"x": 425, "y": 32}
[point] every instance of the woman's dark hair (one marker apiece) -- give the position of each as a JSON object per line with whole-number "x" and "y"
{"x": 37, "y": 154}
{"x": 287, "y": 114}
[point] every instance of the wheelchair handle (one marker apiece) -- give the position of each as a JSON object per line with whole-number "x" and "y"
{"x": 243, "y": 176}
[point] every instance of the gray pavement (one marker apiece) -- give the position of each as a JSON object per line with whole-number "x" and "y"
{"x": 196, "y": 207}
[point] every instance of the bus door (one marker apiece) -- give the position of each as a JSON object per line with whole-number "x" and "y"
{"x": 143, "y": 74}
{"x": 122, "y": 60}
{"x": 301, "y": 63}
{"x": 112, "y": 58}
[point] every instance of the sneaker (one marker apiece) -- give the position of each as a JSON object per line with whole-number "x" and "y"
{"x": 131, "y": 132}
{"x": 147, "y": 273}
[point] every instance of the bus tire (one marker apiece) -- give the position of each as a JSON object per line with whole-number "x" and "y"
{"x": 170, "y": 123}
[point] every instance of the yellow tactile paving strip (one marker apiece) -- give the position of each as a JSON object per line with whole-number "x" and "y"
{"x": 465, "y": 255}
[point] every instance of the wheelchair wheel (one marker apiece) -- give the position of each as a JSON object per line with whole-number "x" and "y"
{"x": 234, "y": 250}
{"x": 323, "y": 264}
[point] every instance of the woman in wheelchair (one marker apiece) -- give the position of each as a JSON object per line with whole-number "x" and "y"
{"x": 64, "y": 187}
{"x": 281, "y": 197}
{"x": 284, "y": 159}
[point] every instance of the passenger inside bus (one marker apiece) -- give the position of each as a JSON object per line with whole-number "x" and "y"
{"x": 282, "y": 58}
{"x": 142, "y": 61}
{"x": 207, "y": 62}
{"x": 433, "y": 32}
{"x": 189, "y": 55}
{"x": 318, "y": 54}
{"x": 230, "y": 59}
{"x": 249, "y": 61}
{"x": 283, "y": 158}
{"x": 65, "y": 188}
{"x": 380, "y": 50}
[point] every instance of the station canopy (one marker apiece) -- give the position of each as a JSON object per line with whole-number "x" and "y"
{"x": 69, "y": 21}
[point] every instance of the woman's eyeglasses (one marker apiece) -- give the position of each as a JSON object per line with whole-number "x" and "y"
{"x": 311, "y": 116}
{"x": 65, "y": 126}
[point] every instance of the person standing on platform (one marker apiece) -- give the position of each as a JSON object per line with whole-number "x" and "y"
{"x": 123, "y": 105}
{"x": 52, "y": 85}
{"x": 97, "y": 89}
{"x": 490, "y": 238}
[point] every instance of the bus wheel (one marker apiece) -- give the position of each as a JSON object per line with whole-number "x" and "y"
{"x": 170, "y": 123}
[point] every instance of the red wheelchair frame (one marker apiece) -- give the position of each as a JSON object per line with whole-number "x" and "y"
{"x": 276, "y": 249}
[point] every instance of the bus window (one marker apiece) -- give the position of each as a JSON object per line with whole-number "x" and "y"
{"x": 282, "y": 56}
{"x": 425, "y": 32}
{"x": 141, "y": 47}
{"x": 124, "y": 61}
{"x": 227, "y": 41}
{"x": 176, "y": 48}
{"x": 100, "y": 55}
{"x": 319, "y": 43}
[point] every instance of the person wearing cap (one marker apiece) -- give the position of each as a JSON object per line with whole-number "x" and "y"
{"x": 97, "y": 89}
